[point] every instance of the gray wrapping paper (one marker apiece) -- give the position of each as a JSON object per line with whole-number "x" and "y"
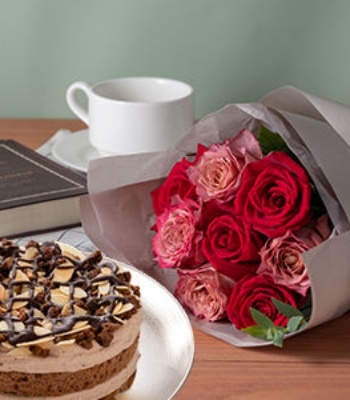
{"x": 117, "y": 215}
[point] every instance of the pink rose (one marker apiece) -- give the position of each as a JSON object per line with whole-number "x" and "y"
{"x": 229, "y": 244}
{"x": 257, "y": 293}
{"x": 177, "y": 242}
{"x": 281, "y": 258}
{"x": 217, "y": 172}
{"x": 204, "y": 292}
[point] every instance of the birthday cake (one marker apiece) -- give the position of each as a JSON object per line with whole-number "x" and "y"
{"x": 69, "y": 323}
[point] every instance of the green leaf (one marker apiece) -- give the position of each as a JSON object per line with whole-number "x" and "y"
{"x": 261, "y": 319}
{"x": 278, "y": 338}
{"x": 269, "y": 334}
{"x": 295, "y": 323}
{"x": 306, "y": 308}
{"x": 270, "y": 141}
{"x": 286, "y": 309}
{"x": 256, "y": 331}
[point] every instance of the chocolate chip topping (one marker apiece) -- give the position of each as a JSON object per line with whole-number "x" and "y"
{"x": 47, "y": 293}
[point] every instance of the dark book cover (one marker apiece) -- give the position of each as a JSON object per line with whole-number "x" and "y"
{"x": 27, "y": 177}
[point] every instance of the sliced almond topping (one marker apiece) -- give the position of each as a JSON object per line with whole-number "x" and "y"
{"x": 58, "y": 297}
{"x": 81, "y": 324}
{"x": 117, "y": 293}
{"x": 20, "y": 276}
{"x": 18, "y": 304}
{"x": 121, "y": 290}
{"x": 3, "y": 326}
{"x": 18, "y": 326}
{"x": 38, "y": 314}
{"x": 71, "y": 252}
{"x": 3, "y": 293}
{"x": 78, "y": 327}
{"x": 63, "y": 274}
{"x": 122, "y": 287}
{"x": 82, "y": 328}
{"x": 79, "y": 310}
{"x": 119, "y": 320}
{"x": 79, "y": 293}
{"x": 31, "y": 253}
{"x": 106, "y": 308}
{"x": 104, "y": 289}
{"x": 66, "y": 310}
{"x": 24, "y": 294}
{"x": 63, "y": 289}
{"x": 125, "y": 308}
{"x": 23, "y": 263}
{"x": 106, "y": 271}
{"x": 117, "y": 308}
{"x": 98, "y": 283}
{"x": 43, "y": 340}
{"x": 46, "y": 324}
{"x": 41, "y": 331}
{"x": 65, "y": 342}
{"x": 66, "y": 263}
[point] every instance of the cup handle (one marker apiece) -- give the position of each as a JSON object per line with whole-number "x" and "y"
{"x": 73, "y": 103}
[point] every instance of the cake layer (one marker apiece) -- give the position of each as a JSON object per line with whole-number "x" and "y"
{"x": 106, "y": 390}
{"x": 56, "y": 384}
{"x": 69, "y": 324}
{"x": 71, "y": 358}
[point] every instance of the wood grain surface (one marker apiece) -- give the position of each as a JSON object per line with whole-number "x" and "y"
{"x": 313, "y": 365}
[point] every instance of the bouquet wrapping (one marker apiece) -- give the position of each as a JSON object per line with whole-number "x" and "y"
{"x": 118, "y": 214}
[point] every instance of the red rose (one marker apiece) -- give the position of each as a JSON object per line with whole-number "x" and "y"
{"x": 230, "y": 246}
{"x": 177, "y": 183}
{"x": 256, "y": 292}
{"x": 274, "y": 195}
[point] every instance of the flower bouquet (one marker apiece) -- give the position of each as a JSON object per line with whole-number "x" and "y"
{"x": 245, "y": 220}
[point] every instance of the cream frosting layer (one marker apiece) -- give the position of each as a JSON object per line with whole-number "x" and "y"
{"x": 71, "y": 358}
{"x": 95, "y": 393}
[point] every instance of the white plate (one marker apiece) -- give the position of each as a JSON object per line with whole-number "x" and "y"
{"x": 75, "y": 151}
{"x": 166, "y": 343}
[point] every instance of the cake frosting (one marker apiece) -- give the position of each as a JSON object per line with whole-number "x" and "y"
{"x": 69, "y": 323}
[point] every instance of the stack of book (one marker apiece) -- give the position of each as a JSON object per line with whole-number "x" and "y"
{"x": 36, "y": 194}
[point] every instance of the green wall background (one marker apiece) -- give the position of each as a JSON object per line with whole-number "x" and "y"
{"x": 229, "y": 50}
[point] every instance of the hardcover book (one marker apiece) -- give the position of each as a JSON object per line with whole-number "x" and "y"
{"x": 36, "y": 194}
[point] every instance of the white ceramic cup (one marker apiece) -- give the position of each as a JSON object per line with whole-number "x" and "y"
{"x": 134, "y": 114}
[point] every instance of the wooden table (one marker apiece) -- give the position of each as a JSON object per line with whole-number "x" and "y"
{"x": 314, "y": 365}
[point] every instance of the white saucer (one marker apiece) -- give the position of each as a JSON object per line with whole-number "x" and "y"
{"x": 75, "y": 151}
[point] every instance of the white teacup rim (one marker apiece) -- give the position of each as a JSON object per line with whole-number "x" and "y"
{"x": 180, "y": 89}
